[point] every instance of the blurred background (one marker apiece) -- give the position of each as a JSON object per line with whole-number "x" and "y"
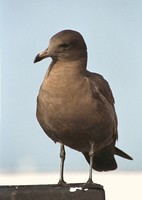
{"x": 113, "y": 34}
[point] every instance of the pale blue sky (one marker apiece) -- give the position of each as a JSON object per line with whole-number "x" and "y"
{"x": 112, "y": 30}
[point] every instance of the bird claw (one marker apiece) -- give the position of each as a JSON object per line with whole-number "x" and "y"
{"x": 91, "y": 185}
{"x": 61, "y": 183}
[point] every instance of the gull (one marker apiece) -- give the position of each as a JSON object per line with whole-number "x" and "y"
{"x": 75, "y": 107}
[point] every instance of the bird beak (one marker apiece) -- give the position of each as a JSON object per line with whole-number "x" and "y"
{"x": 41, "y": 56}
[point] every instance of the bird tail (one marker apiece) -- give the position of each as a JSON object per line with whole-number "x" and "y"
{"x": 121, "y": 153}
{"x": 103, "y": 160}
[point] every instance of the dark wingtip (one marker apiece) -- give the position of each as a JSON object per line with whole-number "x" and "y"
{"x": 122, "y": 154}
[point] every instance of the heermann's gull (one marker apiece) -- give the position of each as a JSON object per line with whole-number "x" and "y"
{"x": 76, "y": 107}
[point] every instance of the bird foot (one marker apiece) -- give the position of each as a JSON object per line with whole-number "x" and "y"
{"x": 61, "y": 183}
{"x": 91, "y": 185}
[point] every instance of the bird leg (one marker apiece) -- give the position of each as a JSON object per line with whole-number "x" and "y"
{"x": 90, "y": 184}
{"x": 91, "y": 155}
{"x": 62, "y": 156}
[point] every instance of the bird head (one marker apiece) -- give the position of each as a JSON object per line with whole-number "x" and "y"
{"x": 65, "y": 45}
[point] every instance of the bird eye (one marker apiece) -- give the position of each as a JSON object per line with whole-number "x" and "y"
{"x": 65, "y": 45}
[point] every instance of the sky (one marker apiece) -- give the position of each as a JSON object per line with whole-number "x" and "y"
{"x": 113, "y": 33}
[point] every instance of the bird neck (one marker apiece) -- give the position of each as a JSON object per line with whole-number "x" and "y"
{"x": 66, "y": 69}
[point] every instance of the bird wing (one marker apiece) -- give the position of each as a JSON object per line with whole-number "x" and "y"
{"x": 105, "y": 93}
{"x": 103, "y": 87}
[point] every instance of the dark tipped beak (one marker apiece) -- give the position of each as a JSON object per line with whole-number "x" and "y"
{"x": 41, "y": 56}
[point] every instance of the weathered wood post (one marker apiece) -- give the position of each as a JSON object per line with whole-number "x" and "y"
{"x": 51, "y": 192}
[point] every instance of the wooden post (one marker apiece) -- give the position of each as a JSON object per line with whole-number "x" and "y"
{"x": 51, "y": 192}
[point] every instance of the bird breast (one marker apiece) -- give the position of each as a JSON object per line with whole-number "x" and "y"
{"x": 66, "y": 100}
{"x": 65, "y": 110}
